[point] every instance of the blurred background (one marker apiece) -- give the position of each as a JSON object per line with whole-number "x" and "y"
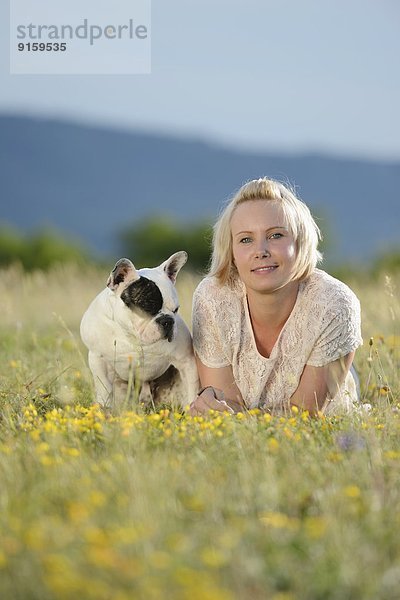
{"x": 97, "y": 167}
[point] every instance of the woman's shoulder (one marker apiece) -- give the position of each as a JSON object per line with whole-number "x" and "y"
{"x": 210, "y": 287}
{"x": 326, "y": 289}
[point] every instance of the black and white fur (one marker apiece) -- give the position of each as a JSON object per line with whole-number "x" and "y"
{"x": 134, "y": 334}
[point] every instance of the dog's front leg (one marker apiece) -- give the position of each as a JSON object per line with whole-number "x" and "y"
{"x": 102, "y": 384}
{"x": 146, "y": 396}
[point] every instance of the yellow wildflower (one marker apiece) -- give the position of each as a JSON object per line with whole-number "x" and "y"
{"x": 352, "y": 491}
{"x": 273, "y": 444}
{"x": 278, "y": 520}
{"x": 315, "y": 527}
{"x": 213, "y": 557}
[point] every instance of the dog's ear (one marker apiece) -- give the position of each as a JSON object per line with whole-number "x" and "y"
{"x": 174, "y": 264}
{"x": 123, "y": 272}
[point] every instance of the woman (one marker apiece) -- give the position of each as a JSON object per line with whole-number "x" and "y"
{"x": 270, "y": 330}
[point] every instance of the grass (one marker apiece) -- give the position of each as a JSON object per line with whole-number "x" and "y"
{"x": 171, "y": 507}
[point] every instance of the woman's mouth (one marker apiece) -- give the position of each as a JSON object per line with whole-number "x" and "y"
{"x": 265, "y": 269}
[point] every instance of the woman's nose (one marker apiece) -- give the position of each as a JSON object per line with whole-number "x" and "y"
{"x": 261, "y": 249}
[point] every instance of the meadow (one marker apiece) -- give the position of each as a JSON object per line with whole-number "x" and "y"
{"x": 166, "y": 506}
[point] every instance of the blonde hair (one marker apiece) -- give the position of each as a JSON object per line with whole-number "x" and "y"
{"x": 298, "y": 219}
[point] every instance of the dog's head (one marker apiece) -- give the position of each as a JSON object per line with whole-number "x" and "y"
{"x": 149, "y": 300}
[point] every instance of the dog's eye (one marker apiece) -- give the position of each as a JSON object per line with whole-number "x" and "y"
{"x": 175, "y": 310}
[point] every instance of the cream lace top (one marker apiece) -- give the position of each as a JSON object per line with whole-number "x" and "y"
{"x": 323, "y": 326}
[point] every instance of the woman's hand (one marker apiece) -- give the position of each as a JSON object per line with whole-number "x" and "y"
{"x": 220, "y": 391}
{"x": 209, "y": 398}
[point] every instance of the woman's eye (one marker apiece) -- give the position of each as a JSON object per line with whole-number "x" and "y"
{"x": 245, "y": 240}
{"x": 276, "y": 236}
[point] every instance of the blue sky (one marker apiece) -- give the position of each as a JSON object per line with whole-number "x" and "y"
{"x": 277, "y": 75}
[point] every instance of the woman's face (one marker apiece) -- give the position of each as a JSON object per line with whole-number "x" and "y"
{"x": 264, "y": 250}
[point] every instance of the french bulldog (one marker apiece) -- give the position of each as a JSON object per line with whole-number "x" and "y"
{"x": 136, "y": 338}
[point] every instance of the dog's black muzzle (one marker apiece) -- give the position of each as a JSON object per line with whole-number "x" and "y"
{"x": 167, "y": 326}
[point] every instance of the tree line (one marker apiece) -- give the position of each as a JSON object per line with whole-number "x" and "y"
{"x": 146, "y": 243}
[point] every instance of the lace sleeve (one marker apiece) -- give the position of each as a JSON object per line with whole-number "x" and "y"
{"x": 341, "y": 331}
{"x": 207, "y": 321}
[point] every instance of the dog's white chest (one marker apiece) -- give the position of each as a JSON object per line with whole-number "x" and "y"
{"x": 143, "y": 364}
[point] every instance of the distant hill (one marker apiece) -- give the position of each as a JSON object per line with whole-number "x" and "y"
{"x": 90, "y": 182}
